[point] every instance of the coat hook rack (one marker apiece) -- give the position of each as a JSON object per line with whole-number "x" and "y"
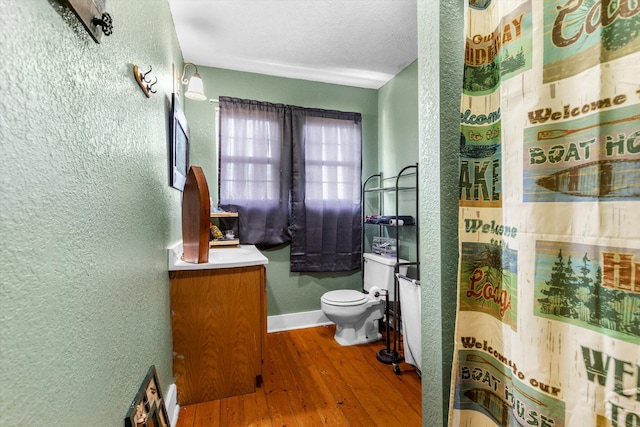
{"x": 93, "y": 16}
{"x": 105, "y": 22}
{"x": 145, "y": 82}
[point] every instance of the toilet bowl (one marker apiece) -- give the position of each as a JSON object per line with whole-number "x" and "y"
{"x": 355, "y": 314}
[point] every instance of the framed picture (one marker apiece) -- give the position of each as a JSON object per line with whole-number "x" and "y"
{"x": 92, "y": 14}
{"x": 179, "y": 145}
{"x": 153, "y": 420}
{"x": 148, "y": 408}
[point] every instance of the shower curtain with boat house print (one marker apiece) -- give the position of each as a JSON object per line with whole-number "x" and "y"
{"x": 548, "y": 315}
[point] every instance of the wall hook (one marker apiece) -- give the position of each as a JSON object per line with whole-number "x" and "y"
{"x": 151, "y": 86}
{"x": 93, "y": 16}
{"x": 105, "y": 22}
{"x": 143, "y": 81}
{"x": 144, "y": 76}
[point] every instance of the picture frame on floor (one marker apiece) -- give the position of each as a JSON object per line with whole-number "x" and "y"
{"x": 148, "y": 408}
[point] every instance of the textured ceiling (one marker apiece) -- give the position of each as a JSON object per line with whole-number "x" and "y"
{"x": 361, "y": 43}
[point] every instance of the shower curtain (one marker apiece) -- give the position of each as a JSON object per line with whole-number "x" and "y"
{"x": 548, "y": 315}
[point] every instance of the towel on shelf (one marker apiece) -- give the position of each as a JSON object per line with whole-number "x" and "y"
{"x": 386, "y": 219}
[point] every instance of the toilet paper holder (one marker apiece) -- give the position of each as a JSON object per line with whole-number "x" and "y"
{"x": 376, "y": 292}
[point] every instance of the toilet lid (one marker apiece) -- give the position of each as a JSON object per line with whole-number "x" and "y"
{"x": 345, "y": 297}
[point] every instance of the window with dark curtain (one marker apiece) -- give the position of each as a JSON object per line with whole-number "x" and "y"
{"x": 255, "y": 169}
{"x": 326, "y": 212}
{"x": 293, "y": 174}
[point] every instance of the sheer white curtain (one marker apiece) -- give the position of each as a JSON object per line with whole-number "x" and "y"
{"x": 254, "y": 169}
{"x": 332, "y": 157}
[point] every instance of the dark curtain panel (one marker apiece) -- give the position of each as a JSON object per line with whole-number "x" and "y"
{"x": 326, "y": 211}
{"x": 255, "y": 169}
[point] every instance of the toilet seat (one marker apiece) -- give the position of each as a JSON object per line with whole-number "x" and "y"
{"x": 344, "y": 297}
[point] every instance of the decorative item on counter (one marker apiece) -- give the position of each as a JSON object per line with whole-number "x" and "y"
{"x": 196, "y": 217}
{"x": 216, "y": 234}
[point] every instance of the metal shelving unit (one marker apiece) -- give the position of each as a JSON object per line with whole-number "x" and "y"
{"x": 390, "y": 354}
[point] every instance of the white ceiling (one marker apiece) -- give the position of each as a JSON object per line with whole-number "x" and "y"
{"x": 362, "y": 43}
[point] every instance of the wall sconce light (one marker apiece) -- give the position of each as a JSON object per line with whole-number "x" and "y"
{"x": 195, "y": 90}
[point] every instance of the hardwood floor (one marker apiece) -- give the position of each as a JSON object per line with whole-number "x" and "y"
{"x": 310, "y": 380}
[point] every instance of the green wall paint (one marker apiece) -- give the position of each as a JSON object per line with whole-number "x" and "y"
{"x": 287, "y": 292}
{"x": 398, "y": 121}
{"x": 397, "y": 148}
{"x": 440, "y": 56}
{"x": 86, "y": 213}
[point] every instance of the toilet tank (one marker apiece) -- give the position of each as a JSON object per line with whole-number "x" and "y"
{"x": 379, "y": 272}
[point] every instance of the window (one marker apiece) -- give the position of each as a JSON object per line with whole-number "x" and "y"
{"x": 332, "y": 159}
{"x": 326, "y": 208}
{"x": 251, "y": 157}
{"x": 254, "y": 171}
{"x": 293, "y": 174}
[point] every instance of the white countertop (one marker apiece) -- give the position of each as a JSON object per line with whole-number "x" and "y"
{"x": 219, "y": 257}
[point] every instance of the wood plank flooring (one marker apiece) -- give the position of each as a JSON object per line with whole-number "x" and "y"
{"x": 310, "y": 380}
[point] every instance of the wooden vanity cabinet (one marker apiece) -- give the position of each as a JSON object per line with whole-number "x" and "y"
{"x": 219, "y": 326}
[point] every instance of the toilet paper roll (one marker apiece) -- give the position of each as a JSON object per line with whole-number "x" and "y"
{"x": 396, "y": 222}
{"x": 375, "y": 293}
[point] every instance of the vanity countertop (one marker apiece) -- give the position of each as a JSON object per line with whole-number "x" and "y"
{"x": 219, "y": 257}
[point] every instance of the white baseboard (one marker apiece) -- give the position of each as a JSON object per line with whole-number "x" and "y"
{"x": 306, "y": 319}
{"x": 171, "y": 403}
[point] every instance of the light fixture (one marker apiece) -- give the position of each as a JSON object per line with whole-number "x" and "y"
{"x": 195, "y": 90}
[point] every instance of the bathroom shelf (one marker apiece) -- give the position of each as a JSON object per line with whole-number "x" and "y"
{"x": 230, "y": 242}
{"x": 226, "y": 221}
{"x": 224, "y": 215}
{"x": 405, "y": 183}
{"x": 380, "y": 190}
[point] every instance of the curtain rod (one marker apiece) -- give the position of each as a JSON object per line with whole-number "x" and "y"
{"x": 214, "y": 101}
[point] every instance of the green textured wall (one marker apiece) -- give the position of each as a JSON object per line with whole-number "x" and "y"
{"x": 287, "y": 292}
{"x": 86, "y": 212}
{"x": 397, "y": 148}
{"x": 398, "y": 121}
{"x": 440, "y": 58}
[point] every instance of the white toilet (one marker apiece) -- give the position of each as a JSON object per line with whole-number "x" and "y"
{"x": 356, "y": 314}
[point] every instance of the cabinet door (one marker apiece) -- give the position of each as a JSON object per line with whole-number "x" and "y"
{"x": 217, "y": 332}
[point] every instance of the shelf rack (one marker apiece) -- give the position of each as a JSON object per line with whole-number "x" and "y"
{"x": 224, "y": 217}
{"x": 390, "y": 354}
